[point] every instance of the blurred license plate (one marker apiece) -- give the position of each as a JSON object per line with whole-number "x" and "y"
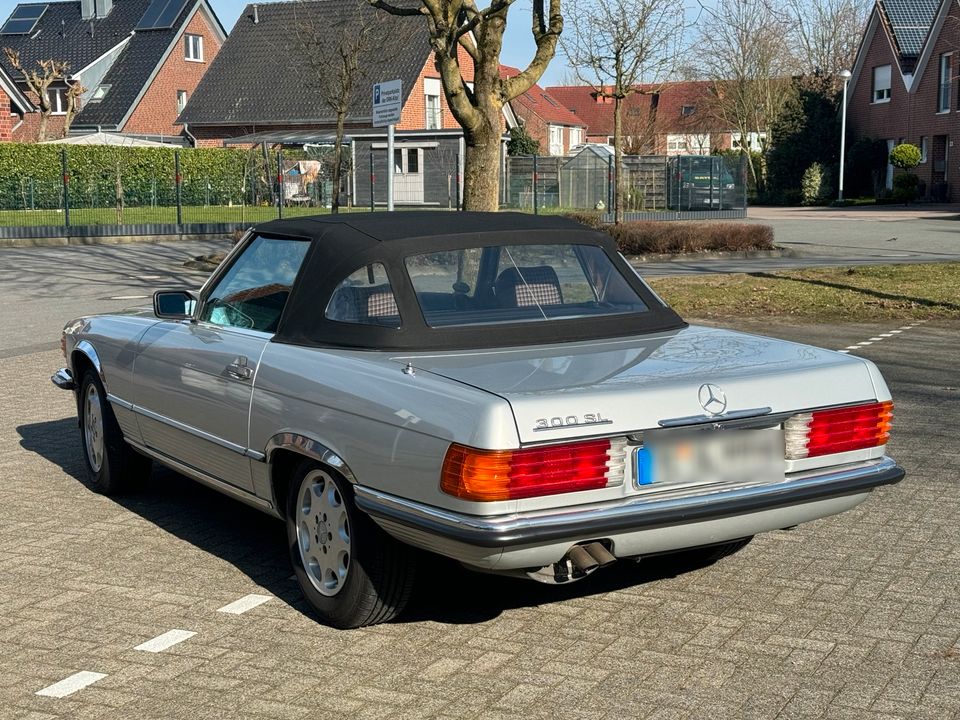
{"x": 672, "y": 458}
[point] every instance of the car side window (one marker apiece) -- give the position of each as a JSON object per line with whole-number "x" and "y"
{"x": 365, "y": 297}
{"x": 254, "y": 291}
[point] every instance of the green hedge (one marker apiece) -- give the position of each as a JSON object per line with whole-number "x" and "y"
{"x": 30, "y": 175}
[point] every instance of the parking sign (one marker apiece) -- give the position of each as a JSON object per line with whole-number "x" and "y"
{"x": 387, "y": 103}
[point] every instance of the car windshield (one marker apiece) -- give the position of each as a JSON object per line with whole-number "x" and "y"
{"x": 519, "y": 283}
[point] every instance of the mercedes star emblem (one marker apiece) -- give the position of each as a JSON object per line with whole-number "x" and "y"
{"x": 712, "y": 399}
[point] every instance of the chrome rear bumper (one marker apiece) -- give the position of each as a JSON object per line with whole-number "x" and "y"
{"x": 630, "y": 515}
{"x": 63, "y": 379}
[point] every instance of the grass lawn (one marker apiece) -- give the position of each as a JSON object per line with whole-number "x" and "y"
{"x": 922, "y": 291}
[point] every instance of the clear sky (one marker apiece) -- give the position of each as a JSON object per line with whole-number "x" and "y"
{"x": 518, "y": 44}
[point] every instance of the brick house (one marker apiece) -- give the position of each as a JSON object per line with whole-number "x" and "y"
{"x": 903, "y": 87}
{"x": 668, "y": 119}
{"x": 546, "y": 119}
{"x": 137, "y": 60}
{"x": 16, "y": 101}
{"x": 260, "y": 91}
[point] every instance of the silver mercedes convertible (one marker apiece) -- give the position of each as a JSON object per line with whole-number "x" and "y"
{"x": 501, "y": 389}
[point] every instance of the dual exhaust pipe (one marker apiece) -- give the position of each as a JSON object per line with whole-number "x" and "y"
{"x": 589, "y": 557}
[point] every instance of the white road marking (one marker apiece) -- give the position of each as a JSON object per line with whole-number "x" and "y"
{"x": 70, "y": 685}
{"x": 876, "y": 339}
{"x": 167, "y": 640}
{"x": 843, "y": 351}
{"x": 853, "y": 347}
{"x": 129, "y": 297}
{"x": 865, "y": 342}
{"x": 896, "y": 332}
{"x": 885, "y": 335}
{"x": 880, "y": 337}
{"x": 247, "y": 602}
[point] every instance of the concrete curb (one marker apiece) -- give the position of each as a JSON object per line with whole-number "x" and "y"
{"x": 713, "y": 255}
{"x": 65, "y": 241}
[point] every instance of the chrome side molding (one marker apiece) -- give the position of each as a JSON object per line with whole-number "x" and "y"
{"x": 312, "y": 448}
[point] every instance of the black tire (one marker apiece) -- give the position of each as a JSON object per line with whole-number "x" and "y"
{"x": 116, "y": 466}
{"x": 379, "y": 572}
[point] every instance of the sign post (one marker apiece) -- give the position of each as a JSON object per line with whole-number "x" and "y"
{"x": 387, "y": 103}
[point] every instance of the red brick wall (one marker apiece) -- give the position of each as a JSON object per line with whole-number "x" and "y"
{"x": 878, "y": 120}
{"x": 29, "y": 129}
{"x": 157, "y": 110}
{"x": 7, "y": 120}
{"x": 414, "y": 113}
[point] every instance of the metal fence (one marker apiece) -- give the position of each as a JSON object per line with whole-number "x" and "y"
{"x": 80, "y": 199}
{"x": 655, "y": 186}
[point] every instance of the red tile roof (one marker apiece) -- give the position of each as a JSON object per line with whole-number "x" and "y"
{"x": 537, "y": 101}
{"x": 668, "y": 100}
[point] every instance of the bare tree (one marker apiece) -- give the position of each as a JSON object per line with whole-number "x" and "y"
{"x": 742, "y": 50}
{"x": 336, "y": 41}
{"x": 623, "y": 47}
{"x": 826, "y": 35}
{"x": 456, "y": 24}
{"x": 39, "y": 80}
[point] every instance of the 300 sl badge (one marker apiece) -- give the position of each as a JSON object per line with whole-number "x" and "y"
{"x": 558, "y": 423}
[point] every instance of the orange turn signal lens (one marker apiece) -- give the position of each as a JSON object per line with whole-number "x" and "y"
{"x": 489, "y": 475}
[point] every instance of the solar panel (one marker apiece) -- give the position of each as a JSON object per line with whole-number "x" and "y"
{"x": 910, "y": 20}
{"x": 23, "y": 19}
{"x": 161, "y": 14}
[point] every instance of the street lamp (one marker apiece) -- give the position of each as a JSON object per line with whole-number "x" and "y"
{"x": 845, "y": 75}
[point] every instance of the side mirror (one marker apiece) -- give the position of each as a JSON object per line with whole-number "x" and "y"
{"x": 174, "y": 304}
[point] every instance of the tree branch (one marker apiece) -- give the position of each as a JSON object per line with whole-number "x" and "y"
{"x": 545, "y": 34}
{"x": 394, "y": 10}
{"x": 477, "y": 17}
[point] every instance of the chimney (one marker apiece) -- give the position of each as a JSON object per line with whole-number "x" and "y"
{"x": 103, "y": 7}
{"x": 87, "y": 10}
{"x": 256, "y": 15}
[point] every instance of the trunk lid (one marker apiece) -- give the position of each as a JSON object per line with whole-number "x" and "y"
{"x": 616, "y": 387}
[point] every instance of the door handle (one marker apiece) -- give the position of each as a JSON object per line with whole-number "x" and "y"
{"x": 239, "y": 369}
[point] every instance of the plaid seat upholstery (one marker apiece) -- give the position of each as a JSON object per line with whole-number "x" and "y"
{"x": 381, "y": 304}
{"x": 528, "y": 286}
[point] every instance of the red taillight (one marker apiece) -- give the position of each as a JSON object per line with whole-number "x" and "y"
{"x": 824, "y": 432}
{"x": 486, "y": 475}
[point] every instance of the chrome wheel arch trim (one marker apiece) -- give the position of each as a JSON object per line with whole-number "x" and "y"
{"x": 309, "y": 447}
{"x": 85, "y": 348}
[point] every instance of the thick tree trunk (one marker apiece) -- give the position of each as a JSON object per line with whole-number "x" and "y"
{"x": 481, "y": 173}
{"x": 42, "y": 127}
{"x": 337, "y": 154}
{"x": 619, "y": 197}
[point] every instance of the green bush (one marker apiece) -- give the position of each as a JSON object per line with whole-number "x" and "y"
{"x": 866, "y": 165}
{"x": 905, "y": 187}
{"x": 905, "y": 156}
{"x": 813, "y": 185}
{"x": 678, "y": 237}
{"x": 146, "y": 175}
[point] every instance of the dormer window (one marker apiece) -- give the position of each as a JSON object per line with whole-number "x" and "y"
{"x": 99, "y": 94}
{"x": 687, "y": 110}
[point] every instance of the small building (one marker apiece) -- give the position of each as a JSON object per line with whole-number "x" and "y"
{"x": 903, "y": 88}
{"x": 136, "y": 61}
{"x": 545, "y": 119}
{"x": 263, "y": 90}
{"x": 666, "y": 119}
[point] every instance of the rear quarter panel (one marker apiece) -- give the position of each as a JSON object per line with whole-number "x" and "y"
{"x": 392, "y": 429}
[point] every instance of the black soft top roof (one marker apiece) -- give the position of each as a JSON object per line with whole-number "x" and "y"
{"x": 342, "y": 244}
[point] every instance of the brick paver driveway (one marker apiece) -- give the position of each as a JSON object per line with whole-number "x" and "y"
{"x": 855, "y": 616}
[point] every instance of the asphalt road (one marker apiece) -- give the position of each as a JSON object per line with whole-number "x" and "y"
{"x": 853, "y": 616}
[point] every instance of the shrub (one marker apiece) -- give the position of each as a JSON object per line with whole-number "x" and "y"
{"x": 905, "y": 156}
{"x": 677, "y": 237}
{"x": 590, "y": 219}
{"x": 813, "y": 185}
{"x": 905, "y": 187}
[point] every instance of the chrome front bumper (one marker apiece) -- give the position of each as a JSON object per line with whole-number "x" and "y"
{"x": 63, "y": 379}
{"x": 624, "y": 516}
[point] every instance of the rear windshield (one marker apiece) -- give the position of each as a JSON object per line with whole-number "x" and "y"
{"x": 519, "y": 283}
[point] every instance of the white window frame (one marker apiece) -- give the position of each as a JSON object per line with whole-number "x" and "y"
{"x": 193, "y": 48}
{"x": 181, "y": 100}
{"x": 433, "y": 109}
{"x": 576, "y": 137}
{"x": 879, "y": 93}
{"x": 944, "y": 88}
{"x": 58, "y": 100}
{"x": 555, "y": 136}
{"x": 924, "y": 142}
{"x": 403, "y": 154}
